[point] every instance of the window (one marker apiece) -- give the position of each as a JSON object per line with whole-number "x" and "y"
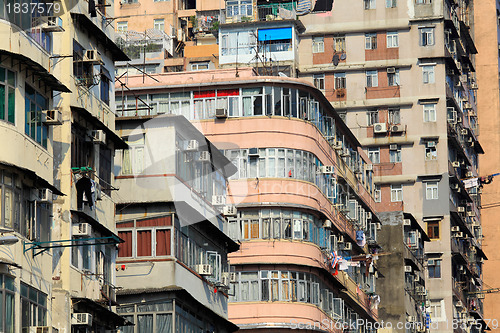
{"x": 159, "y": 24}
{"x": 430, "y": 151}
{"x": 377, "y": 194}
{"x": 434, "y": 268}
{"x": 431, "y": 190}
{"x": 7, "y": 297}
{"x": 104, "y": 86}
{"x": 318, "y": 45}
{"x": 437, "y": 310}
{"x": 133, "y": 158}
{"x": 426, "y": 36}
{"x": 391, "y": 3}
{"x": 428, "y": 73}
{"x": 238, "y": 42}
{"x": 429, "y": 112}
{"x": 433, "y": 229}
{"x": 374, "y": 155}
{"x": 392, "y": 39}
{"x": 396, "y": 193}
{"x": 339, "y": 44}
{"x": 395, "y": 154}
{"x": 372, "y": 117}
{"x": 319, "y": 81}
{"x": 122, "y": 26}
{"x": 371, "y": 79}
{"x": 394, "y": 116}
{"x": 421, "y": 2}
{"x": 339, "y": 80}
{"x": 370, "y": 41}
{"x": 34, "y": 127}
{"x": 393, "y": 78}
{"x": 198, "y": 66}
{"x": 370, "y": 4}
{"x": 7, "y": 95}
{"x": 241, "y": 7}
{"x": 33, "y": 307}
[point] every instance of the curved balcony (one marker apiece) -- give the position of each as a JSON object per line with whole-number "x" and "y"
{"x": 302, "y": 254}
{"x": 253, "y": 315}
{"x": 290, "y": 191}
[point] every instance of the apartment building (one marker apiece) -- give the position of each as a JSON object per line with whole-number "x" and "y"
{"x": 487, "y": 68}
{"x": 173, "y": 266}
{"x": 300, "y": 199}
{"x": 58, "y": 248}
{"x": 402, "y": 75}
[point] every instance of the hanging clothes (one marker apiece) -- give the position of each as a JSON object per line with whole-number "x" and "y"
{"x": 84, "y": 186}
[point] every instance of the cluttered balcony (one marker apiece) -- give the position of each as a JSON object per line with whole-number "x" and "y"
{"x": 244, "y": 11}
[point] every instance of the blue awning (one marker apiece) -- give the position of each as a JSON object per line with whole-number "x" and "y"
{"x": 274, "y": 34}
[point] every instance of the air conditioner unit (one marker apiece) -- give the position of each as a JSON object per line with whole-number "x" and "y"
{"x": 43, "y": 329}
{"x": 225, "y": 280}
{"x": 458, "y": 235}
{"x": 204, "y": 269}
{"x": 464, "y": 131}
{"x": 81, "y": 319}
{"x": 327, "y": 224}
{"x": 417, "y": 278}
{"x": 472, "y": 113}
{"x": 92, "y": 56}
{"x": 467, "y": 105}
{"x": 218, "y": 200}
{"x": 419, "y": 289}
{"x": 393, "y": 147}
{"x": 82, "y": 230}
{"x": 406, "y": 222}
{"x": 408, "y": 269}
{"x": 474, "y": 86}
{"x": 347, "y": 246}
{"x": 471, "y": 214}
{"x": 461, "y": 209}
{"x": 397, "y": 128}
{"x": 454, "y": 229}
{"x": 230, "y": 210}
{"x": 459, "y": 304}
{"x": 193, "y": 145}
{"x": 368, "y": 215}
{"x": 233, "y": 277}
{"x": 204, "y": 156}
{"x": 455, "y": 164}
{"x": 44, "y": 195}
{"x": 52, "y": 117}
{"x": 391, "y": 70}
{"x": 369, "y": 167}
{"x": 411, "y": 319}
{"x": 98, "y": 136}
{"x": 480, "y": 296}
{"x": 109, "y": 291}
{"x": 463, "y": 78}
{"x": 53, "y": 24}
{"x": 379, "y": 226}
{"x": 340, "y": 239}
{"x": 469, "y": 174}
{"x": 253, "y": 152}
{"x": 345, "y": 152}
{"x": 337, "y": 145}
{"x": 327, "y": 169}
{"x": 380, "y": 128}
{"x": 221, "y": 113}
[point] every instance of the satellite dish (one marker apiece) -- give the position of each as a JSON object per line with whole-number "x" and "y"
{"x": 335, "y": 59}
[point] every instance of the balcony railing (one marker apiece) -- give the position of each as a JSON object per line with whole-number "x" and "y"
{"x": 267, "y": 12}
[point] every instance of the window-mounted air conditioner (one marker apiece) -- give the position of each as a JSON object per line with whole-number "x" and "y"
{"x": 52, "y": 117}
{"x": 369, "y": 167}
{"x": 204, "y": 269}
{"x": 218, "y": 200}
{"x": 347, "y": 246}
{"x": 82, "y": 230}
{"x": 391, "y": 70}
{"x": 230, "y": 210}
{"x": 455, "y": 229}
{"x": 193, "y": 145}
{"x": 92, "y": 56}
{"x": 408, "y": 269}
{"x": 407, "y": 222}
{"x": 204, "y": 156}
{"x": 393, "y": 147}
{"x": 44, "y": 195}
{"x": 327, "y": 224}
{"x": 327, "y": 169}
{"x": 81, "y": 319}
{"x": 221, "y": 113}
{"x": 455, "y": 164}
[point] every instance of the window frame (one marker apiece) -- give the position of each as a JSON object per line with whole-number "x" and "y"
{"x": 435, "y": 272}
{"x": 392, "y": 39}
{"x": 340, "y": 80}
{"x": 159, "y": 22}
{"x": 430, "y": 113}
{"x": 433, "y": 229}
{"x": 318, "y": 44}
{"x": 395, "y": 155}
{"x": 432, "y": 190}
{"x": 370, "y": 41}
{"x": 428, "y": 74}
{"x": 396, "y": 192}
{"x": 122, "y": 26}
{"x": 370, "y": 4}
{"x": 319, "y": 81}
{"x": 375, "y": 153}
{"x": 371, "y": 78}
{"x": 426, "y": 36}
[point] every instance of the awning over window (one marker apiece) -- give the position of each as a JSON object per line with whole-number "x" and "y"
{"x": 274, "y": 34}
